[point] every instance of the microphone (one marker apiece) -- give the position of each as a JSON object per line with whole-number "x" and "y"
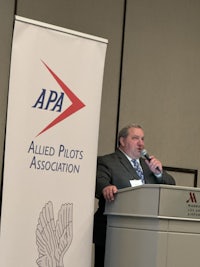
{"x": 145, "y": 154}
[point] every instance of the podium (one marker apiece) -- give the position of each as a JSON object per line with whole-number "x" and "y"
{"x": 153, "y": 226}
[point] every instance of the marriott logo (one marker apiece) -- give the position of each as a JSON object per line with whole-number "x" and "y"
{"x": 192, "y": 198}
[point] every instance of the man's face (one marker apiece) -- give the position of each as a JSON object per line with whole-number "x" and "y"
{"x": 133, "y": 144}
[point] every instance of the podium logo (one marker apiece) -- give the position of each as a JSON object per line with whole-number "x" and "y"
{"x": 53, "y": 102}
{"x": 192, "y": 198}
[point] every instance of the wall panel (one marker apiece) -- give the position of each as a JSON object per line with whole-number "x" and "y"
{"x": 7, "y": 9}
{"x": 160, "y": 85}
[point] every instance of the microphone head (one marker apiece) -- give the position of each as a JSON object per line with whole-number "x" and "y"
{"x": 144, "y": 152}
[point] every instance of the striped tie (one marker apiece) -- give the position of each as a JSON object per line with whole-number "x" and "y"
{"x": 138, "y": 169}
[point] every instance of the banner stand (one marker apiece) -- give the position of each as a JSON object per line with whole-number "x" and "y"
{"x": 56, "y": 79}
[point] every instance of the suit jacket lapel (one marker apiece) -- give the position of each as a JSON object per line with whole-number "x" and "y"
{"x": 126, "y": 163}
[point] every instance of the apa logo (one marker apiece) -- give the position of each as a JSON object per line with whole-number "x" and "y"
{"x": 192, "y": 198}
{"x": 53, "y": 101}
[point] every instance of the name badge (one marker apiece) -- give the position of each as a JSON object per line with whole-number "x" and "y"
{"x": 135, "y": 182}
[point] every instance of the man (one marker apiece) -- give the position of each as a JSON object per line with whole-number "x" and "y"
{"x": 118, "y": 170}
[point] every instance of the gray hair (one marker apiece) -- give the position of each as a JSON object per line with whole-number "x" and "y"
{"x": 124, "y": 131}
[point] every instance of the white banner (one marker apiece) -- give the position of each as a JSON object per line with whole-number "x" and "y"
{"x": 51, "y": 146}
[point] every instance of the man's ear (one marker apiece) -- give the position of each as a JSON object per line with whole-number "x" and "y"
{"x": 121, "y": 140}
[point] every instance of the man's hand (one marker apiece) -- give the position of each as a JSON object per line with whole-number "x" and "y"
{"x": 109, "y": 191}
{"x": 154, "y": 165}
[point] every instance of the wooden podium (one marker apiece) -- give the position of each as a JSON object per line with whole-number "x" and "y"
{"x": 154, "y": 226}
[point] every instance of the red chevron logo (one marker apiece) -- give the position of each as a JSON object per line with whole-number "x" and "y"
{"x": 76, "y": 104}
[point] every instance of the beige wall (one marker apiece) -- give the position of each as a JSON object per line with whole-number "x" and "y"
{"x": 160, "y": 85}
{"x": 6, "y": 25}
{"x": 160, "y": 77}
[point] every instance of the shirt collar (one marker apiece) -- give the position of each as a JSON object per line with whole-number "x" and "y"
{"x": 129, "y": 158}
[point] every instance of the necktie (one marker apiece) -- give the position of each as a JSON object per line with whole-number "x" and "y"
{"x": 138, "y": 169}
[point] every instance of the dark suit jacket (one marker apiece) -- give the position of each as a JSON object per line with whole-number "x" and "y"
{"x": 117, "y": 170}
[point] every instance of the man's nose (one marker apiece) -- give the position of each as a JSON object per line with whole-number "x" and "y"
{"x": 141, "y": 141}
